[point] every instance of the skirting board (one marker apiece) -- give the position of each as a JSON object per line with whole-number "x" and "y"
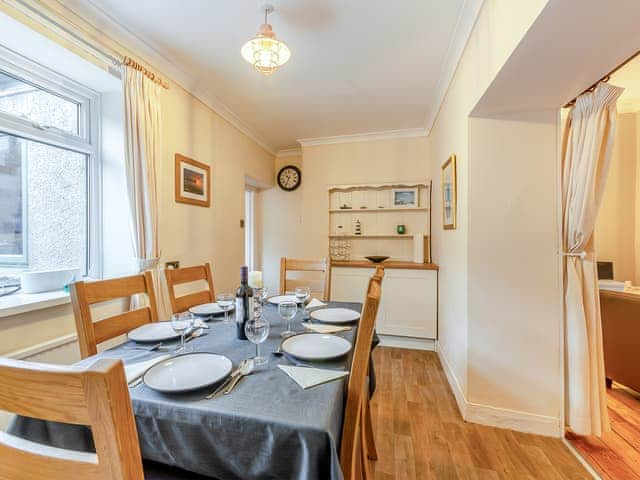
{"x": 499, "y": 417}
{"x": 407, "y": 342}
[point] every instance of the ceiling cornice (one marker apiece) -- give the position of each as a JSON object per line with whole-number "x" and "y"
{"x": 289, "y": 152}
{"x": 466, "y": 21}
{"x": 106, "y": 24}
{"x": 363, "y": 137}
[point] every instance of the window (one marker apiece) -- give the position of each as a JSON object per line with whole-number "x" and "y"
{"x": 249, "y": 254}
{"x": 49, "y": 170}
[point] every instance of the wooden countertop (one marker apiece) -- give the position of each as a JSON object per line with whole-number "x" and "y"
{"x": 386, "y": 264}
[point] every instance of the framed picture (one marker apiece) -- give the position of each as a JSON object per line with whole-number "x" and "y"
{"x": 404, "y": 198}
{"x": 193, "y": 181}
{"x": 449, "y": 193}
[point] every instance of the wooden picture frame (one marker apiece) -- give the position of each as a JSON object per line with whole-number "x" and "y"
{"x": 404, "y": 198}
{"x": 449, "y": 194}
{"x": 192, "y": 181}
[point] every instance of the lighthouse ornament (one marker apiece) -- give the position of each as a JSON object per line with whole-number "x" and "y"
{"x": 358, "y": 229}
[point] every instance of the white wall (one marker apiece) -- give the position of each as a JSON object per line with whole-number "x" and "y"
{"x": 618, "y": 216}
{"x": 499, "y": 27}
{"x": 514, "y": 287}
{"x": 297, "y": 223}
{"x": 281, "y": 229}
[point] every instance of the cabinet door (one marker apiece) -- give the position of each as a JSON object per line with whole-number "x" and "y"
{"x": 349, "y": 284}
{"x": 409, "y": 303}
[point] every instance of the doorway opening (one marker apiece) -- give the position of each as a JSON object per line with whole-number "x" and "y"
{"x": 616, "y": 455}
{"x": 249, "y": 228}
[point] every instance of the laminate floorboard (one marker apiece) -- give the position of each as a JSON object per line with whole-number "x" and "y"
{"x": 420, "y": 434}
{"x": 615, "y": 456}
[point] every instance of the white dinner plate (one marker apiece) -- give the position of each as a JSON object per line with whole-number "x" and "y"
{"x": 187, "y": 372}
{"x": 153, "y": 332}
{"x": 335, "y": 315}
{"x": 278, "y": 299}
{"x": 208, "y": 309}
{"x": 316, "y": 346}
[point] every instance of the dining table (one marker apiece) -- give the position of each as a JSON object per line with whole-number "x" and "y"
{"x": 267, "y": 427}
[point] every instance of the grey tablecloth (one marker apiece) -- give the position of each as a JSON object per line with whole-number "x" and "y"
{"x": 267, "y": 428}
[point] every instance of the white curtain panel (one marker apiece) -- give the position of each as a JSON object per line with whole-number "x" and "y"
{"x": 587, "y": 146}
{"x": 142, "y": 117}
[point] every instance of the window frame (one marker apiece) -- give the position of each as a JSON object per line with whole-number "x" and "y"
{"x": 87, "y": 142}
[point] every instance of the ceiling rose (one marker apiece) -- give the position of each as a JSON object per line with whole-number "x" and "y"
{"x": 264, "y": 51}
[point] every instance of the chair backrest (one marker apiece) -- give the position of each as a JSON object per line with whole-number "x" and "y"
{"x": 319, "y": 286}
{"x": 84, "y": 295}
{"x": 351, "y": 453}
{"x": 96, "y": 396}
{"x": 179, "y": 276}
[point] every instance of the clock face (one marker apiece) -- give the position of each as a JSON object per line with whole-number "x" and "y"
{"x": 289, "y": 177}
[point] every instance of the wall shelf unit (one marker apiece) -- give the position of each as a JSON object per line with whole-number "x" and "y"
{"x": 386, "y": 237}
{"x": 376, "y": 210}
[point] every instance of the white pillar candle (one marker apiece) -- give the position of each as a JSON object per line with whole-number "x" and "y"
{"x": 255, "y": 279}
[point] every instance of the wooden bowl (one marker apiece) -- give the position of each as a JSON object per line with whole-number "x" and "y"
{"x": 377, "y": 258}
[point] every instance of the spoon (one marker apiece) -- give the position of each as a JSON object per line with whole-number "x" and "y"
{"x": 246, "y": 367}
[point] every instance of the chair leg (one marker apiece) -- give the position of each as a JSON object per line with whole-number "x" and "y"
{"x": 366, "y": 469}
{"x": 367, "y": 425}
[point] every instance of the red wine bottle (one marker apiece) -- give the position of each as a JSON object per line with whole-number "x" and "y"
{"x": 244, "y": 303}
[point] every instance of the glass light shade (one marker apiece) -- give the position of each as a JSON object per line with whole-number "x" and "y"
{"x": 265, "y": 52}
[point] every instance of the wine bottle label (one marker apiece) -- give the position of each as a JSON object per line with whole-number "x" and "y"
{"x": 252, "y": 309}
{"x": 239, "y": 310}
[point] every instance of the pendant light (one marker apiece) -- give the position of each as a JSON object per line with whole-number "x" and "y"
{"x": 264, "y": 51}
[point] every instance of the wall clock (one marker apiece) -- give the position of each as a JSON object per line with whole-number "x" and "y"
{"x": 289, "y": 178}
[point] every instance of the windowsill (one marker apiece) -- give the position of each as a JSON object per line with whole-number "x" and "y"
{"x": 18, "y": 303}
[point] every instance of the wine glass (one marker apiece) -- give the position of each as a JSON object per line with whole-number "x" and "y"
{"x": 287, "y": 311}
{"x": 302, "y": 294}
{"x": 257, "y": 331}
{"x": 225, "y": 302}
{"x": 181, "y": 322}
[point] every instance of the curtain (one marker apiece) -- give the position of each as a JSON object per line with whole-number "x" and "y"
{"x": 587, "y": 146}
{"x": 142, "y": 154}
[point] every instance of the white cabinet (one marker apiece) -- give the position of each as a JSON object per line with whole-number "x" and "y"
{"x": 409, "y": 305}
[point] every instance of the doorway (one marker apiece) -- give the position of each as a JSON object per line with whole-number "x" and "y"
{"x": 249, "y": 228}
{"x": 616, "y": 454}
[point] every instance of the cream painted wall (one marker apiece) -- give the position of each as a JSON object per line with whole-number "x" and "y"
{"x": 282, "y": 234}
{"x": 499, "y": 27}
{"x": 187, "y": 233}
{"x": 514, "y": 286}
{"x": 302, "y": 220}
{"x": 618, "y": 216}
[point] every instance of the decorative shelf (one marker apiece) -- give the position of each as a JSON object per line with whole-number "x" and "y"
{"x": 377, "y": 210}
{"x": 351, "y": 235}
{"x": 378, "y": 186}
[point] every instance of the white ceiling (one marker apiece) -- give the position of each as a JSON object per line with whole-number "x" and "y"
{"x": 357, "y": 66}
{"x": 628, "y": 77}
{"x": 562, "y": 54}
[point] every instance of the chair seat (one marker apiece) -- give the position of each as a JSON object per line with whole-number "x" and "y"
{"x": 159, "y": 471}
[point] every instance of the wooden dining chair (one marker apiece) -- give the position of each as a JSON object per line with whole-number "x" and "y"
{"x": 370, "y": 450}
{"x": 319, "y": 286}
{"x": 86, "y": 294}
{"x": 180, "y": 276}
{"x": 96, "y": 396}
{"x": 353, "y": 457}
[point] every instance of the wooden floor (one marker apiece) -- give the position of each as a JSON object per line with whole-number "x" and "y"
{"x": 616, "y": 456}
{"x": 420, "y": 433}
